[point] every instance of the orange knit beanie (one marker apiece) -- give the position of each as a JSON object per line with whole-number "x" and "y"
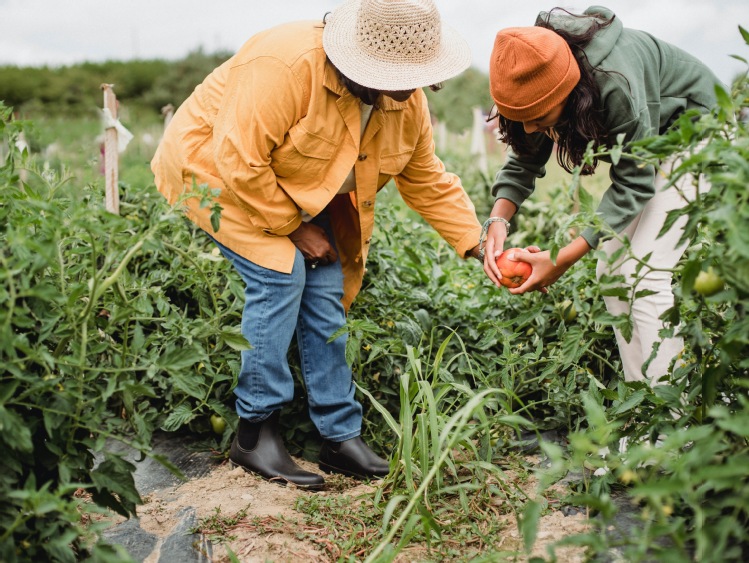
{"x": 531, "y": 70}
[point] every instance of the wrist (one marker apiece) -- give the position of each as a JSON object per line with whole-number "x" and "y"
{"x": 499, "y": 219}
{"x": 572, "y": 253}
{"x": 485, "y": 233}
{"x": 503, "y": 208}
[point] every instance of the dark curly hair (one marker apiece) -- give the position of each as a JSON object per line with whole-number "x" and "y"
{"x": 369, "y": 96}
{"x": 582, "y": 120}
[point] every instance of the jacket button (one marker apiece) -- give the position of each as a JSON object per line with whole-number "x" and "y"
{"x": 367, "y": 203}
{"x": 363, "y": 156}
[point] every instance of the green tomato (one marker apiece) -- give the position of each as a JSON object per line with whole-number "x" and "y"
{"x": 708, "y": 283}
{"x": 218, "y": 424}
{"x": 567, "y": 310}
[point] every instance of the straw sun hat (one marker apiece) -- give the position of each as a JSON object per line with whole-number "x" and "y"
{"x": 393, "y": 45}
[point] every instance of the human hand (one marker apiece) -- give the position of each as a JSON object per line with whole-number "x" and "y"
{"x": 544, "y": 273}
{"x": 495, "y": 242}
{"x": 313, "y": 243}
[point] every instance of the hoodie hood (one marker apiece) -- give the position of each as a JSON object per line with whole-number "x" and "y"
{"x": 602, "y": 43}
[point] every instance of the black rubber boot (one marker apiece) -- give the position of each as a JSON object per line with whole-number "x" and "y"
{"x": 267, "y": 455}
{"x": 353, "y": 458}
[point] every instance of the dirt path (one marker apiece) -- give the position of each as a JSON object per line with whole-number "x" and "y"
{"x": 224, "y": 494}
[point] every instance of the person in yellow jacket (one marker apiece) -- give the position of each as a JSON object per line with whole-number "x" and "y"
{"x": 300, "y": 129}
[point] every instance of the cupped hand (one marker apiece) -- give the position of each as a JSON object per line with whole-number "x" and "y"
{"x": 313, "y": 243}
{"x": 544, "y": 273}
{"x": 495, "y": 243}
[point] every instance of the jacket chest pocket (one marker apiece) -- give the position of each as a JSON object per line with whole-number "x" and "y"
{"x": 392, "y": 165}
{"x": 302, "y": 150}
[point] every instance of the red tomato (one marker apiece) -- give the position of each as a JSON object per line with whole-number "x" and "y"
{"x": 514, "y": 274}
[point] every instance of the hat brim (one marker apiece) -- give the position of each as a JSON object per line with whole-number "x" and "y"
{"x": 339, "y": 42}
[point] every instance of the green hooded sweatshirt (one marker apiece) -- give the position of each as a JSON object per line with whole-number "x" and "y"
{"x": 645, "y": 83}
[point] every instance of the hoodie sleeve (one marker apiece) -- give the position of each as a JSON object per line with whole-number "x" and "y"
{"x": 516, "y": 180}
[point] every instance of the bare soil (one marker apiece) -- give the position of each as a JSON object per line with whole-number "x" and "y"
{"x": 273, "y": 530}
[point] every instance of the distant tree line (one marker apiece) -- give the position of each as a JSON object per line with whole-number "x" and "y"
{"x": 76, "y": 88}
{"x": 152, "y": 84}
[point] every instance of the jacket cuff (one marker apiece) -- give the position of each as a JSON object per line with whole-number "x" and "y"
{"x": 285, "y": 229}
{"x": 511, "y": 194}
{"x": 464, "y": 245}
{"x": 592, "y": 237}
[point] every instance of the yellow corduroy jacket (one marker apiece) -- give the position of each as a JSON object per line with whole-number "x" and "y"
{"x": 277, "y": 132}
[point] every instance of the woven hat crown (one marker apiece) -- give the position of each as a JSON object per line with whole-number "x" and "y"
{"x": 394, "y": 30}
{"x": 393, "y": 44}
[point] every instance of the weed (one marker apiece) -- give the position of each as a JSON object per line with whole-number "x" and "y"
{"x": 217, "y": 527}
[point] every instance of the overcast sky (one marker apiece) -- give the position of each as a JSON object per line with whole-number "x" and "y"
{"x": 59, "y": 32}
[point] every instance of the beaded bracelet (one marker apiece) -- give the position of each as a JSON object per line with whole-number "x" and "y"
{"x": 485, "y": 231}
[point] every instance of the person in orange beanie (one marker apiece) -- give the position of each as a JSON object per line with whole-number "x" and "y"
{"x": 572, "y": 80}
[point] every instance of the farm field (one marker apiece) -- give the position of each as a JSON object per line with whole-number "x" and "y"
{"x": 120, "y": 332}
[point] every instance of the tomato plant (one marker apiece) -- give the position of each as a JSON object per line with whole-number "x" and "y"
{"x": 104, "y": 323}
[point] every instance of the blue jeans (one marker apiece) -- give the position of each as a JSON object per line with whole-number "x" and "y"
{"x": 308, "y": 302}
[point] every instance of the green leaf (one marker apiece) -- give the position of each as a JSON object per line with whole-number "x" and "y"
{"x": 173, "y": 469}
{"x": 595, "y": 413}
{"x": 14, "y": 431}
{"x": 689, "y": 273}
{"x": 232, "y": 556}
{"x": 179, "y": 359}
{"x": 235, "y": 340}
{"x": 216, "y": 210}
{"x": 7, "y": 389}
{"x": 616, "y": 154}
{"x": 392, "y": 505}
{"x": 392, "y": 424}
{"x": 139, "y": 339}
{"x": 621, "y": 292}
{"x": 634, "y": 400}
{"x": 192, "y": 384}
{"x": 528, "y": 524}
{"x": 587, "y": 203}
{"x": 428, "y": 523}
{"x": 410, "y": 331}
{"x": 744, "y": 34}
{"x": 724, "y": 99}
{"x": 115, "y": 486}
{"x": 180, "y": 416}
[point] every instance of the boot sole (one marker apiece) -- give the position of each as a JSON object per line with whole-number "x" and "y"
{"x": 279, "y": 480}
{"x": 333, "y": 469}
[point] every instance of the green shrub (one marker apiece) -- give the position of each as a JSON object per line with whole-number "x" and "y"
{"x": 110, "y": 327}
{"x": 685, "y": 467}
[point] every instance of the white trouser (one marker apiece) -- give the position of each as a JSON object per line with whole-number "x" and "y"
{"x": 645, "y": 311}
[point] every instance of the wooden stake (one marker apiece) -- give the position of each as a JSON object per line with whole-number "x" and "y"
{"x": 478, "y": 141}
{"x": 111, "y": 153}
{"x": 168, "y": 112}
